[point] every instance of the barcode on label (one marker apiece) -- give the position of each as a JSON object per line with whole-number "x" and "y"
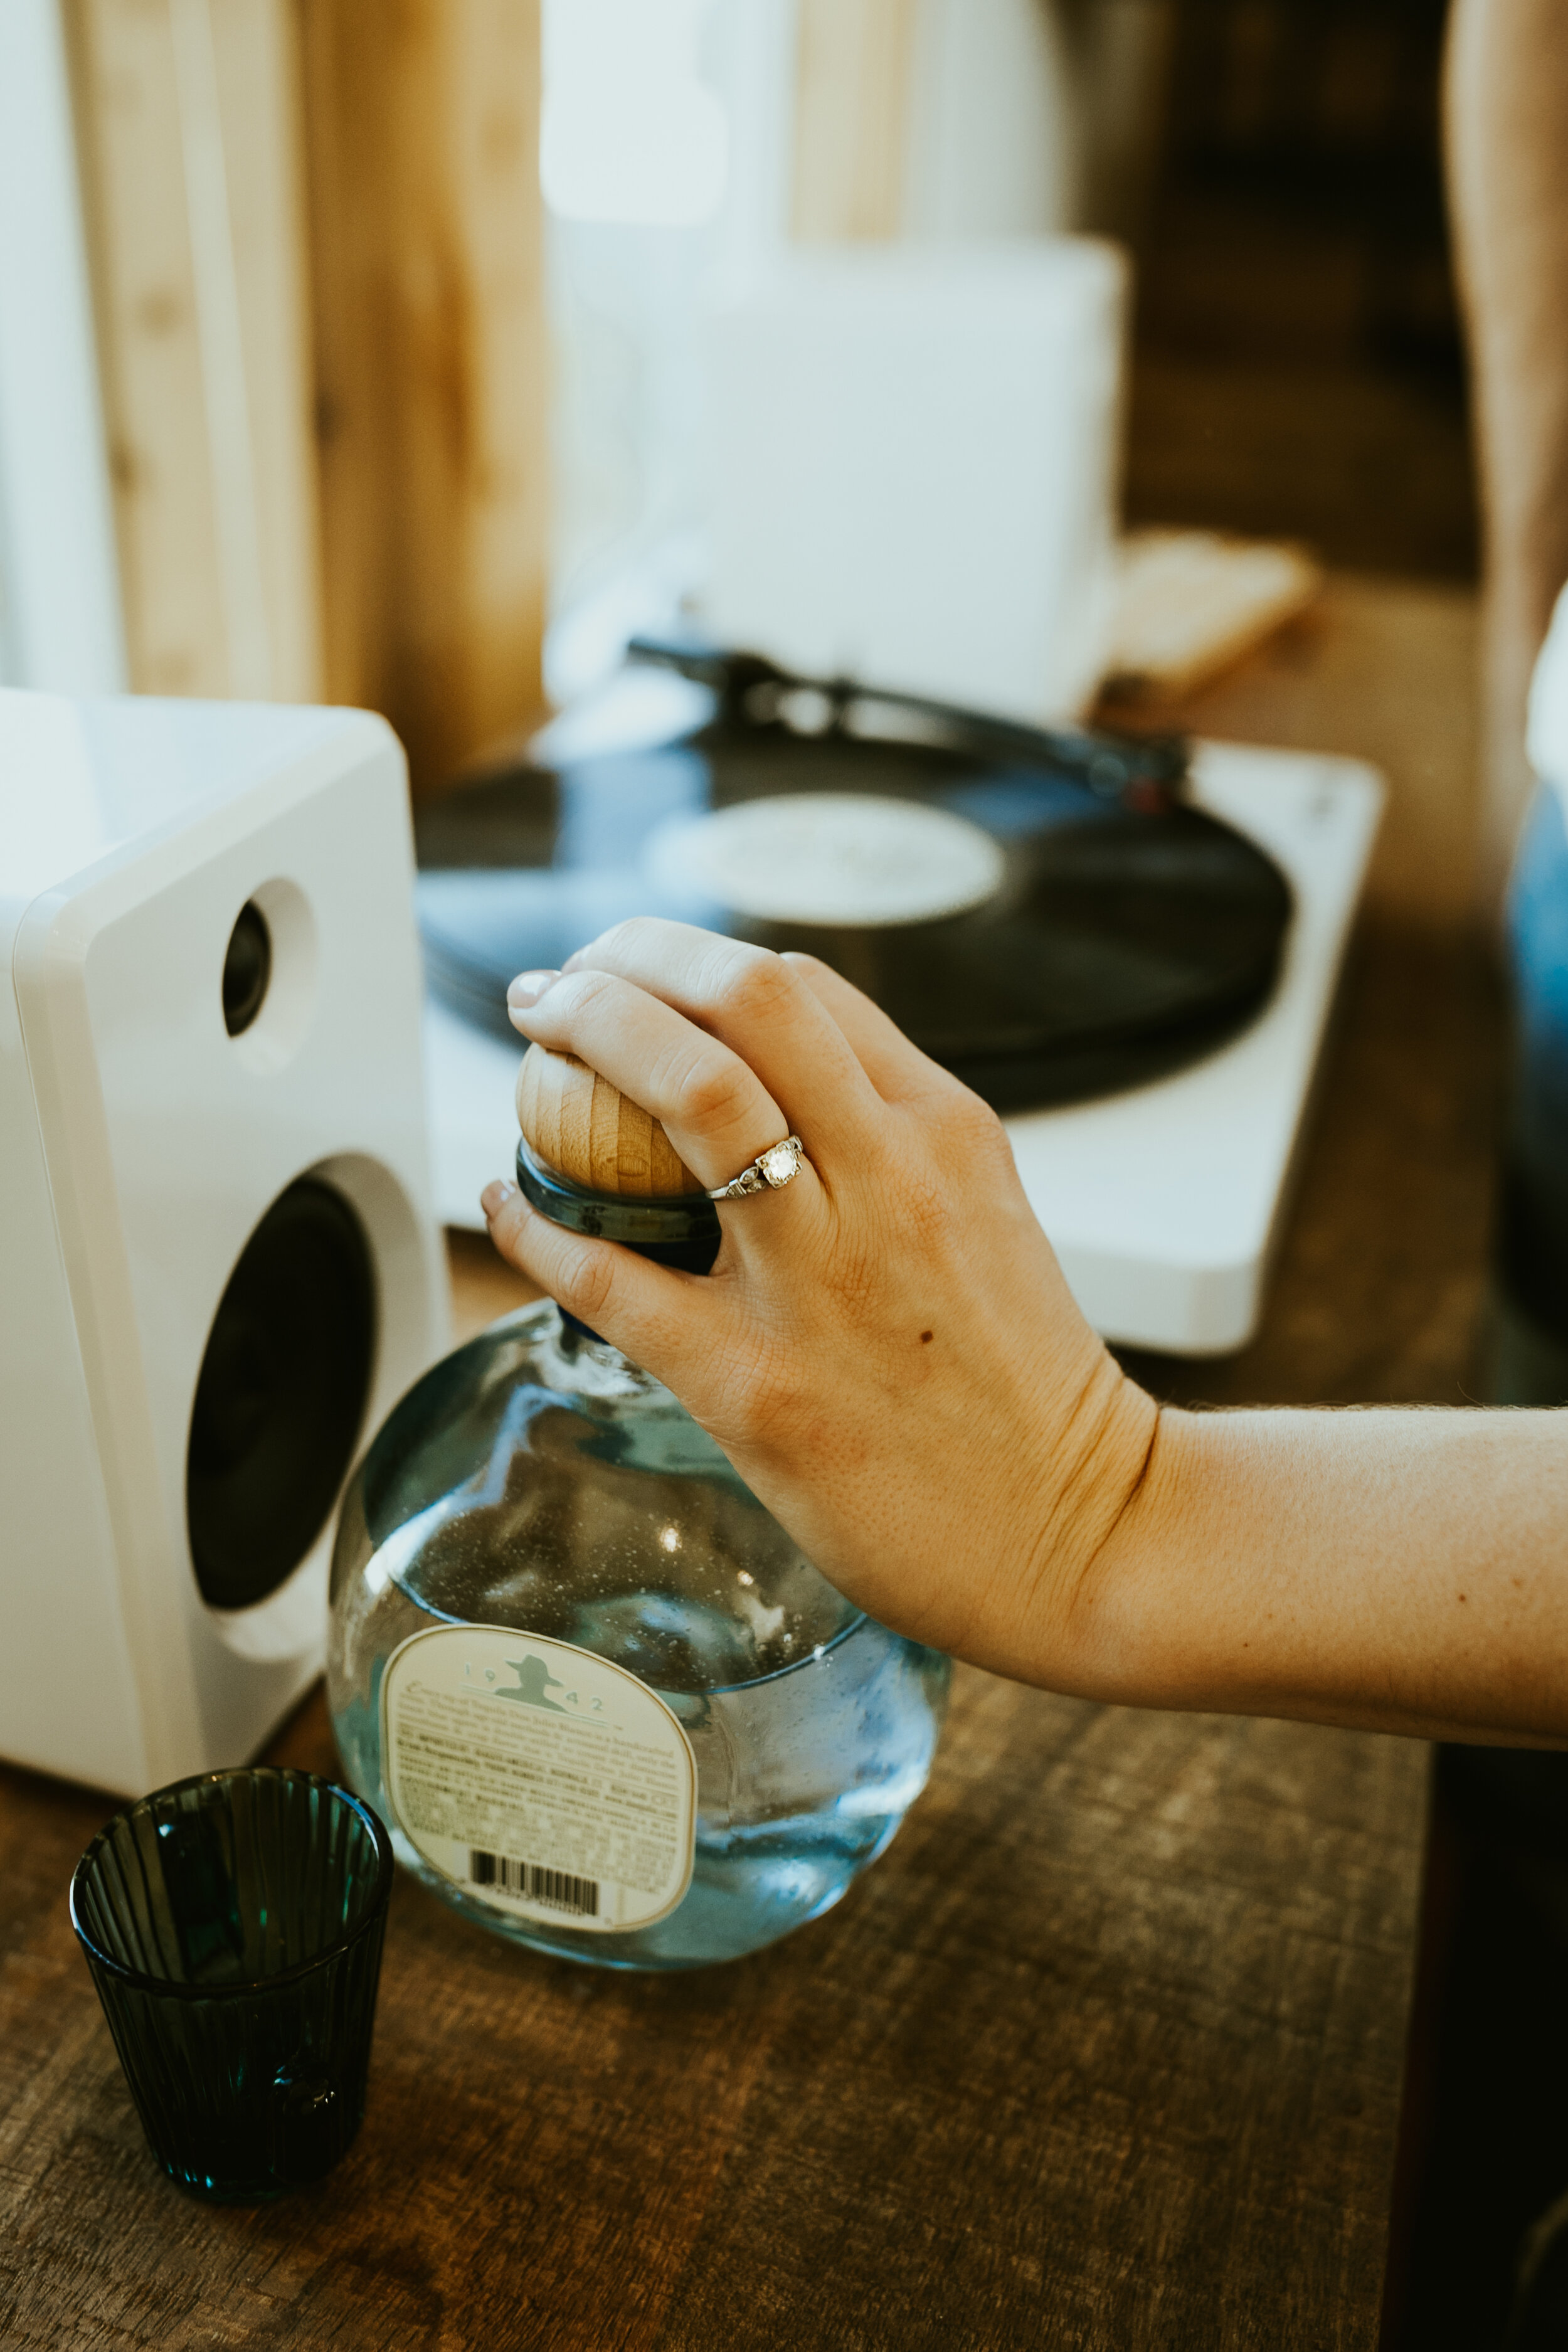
{"x": 556, "y": 1888}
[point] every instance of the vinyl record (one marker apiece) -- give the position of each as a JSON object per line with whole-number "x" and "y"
{"x": 1045, "y": 914}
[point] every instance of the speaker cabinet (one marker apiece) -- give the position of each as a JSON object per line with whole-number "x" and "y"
{"x": 218, "y": 1264}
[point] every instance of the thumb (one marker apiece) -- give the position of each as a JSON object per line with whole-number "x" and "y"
{"x": 654, "y": 1314}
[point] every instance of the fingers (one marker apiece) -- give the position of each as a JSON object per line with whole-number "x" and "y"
{"x": 758, "y": 1005}
{"x": 898, "y": 1069}
{"x": 715, "y": 1110}
{"x": 644, "y": 1310}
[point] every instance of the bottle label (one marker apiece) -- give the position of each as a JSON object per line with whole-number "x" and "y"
{"x": 540, "y": 1779}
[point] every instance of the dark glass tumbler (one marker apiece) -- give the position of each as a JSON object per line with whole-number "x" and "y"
{"x": 233, "y": 1925}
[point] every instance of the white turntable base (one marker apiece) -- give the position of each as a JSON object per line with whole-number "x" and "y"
{"x": 1164, "y": 1203}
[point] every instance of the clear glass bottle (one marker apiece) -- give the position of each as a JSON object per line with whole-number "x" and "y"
{"x": 537, "y": 1484}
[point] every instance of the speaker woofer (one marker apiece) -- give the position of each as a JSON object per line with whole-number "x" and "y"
{"x": 281, "y": 1395}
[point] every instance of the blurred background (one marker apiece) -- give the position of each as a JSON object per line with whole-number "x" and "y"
{"x": 405, "y": 355}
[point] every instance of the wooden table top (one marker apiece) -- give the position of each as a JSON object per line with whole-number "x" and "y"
{"x": 1106, "y": 2051}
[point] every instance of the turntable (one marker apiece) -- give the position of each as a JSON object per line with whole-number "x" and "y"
{"x": 1129, "y": 947}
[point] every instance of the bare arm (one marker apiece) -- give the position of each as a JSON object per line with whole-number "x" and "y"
{"x": 1506, "y": 103}
{"x": 1404, "y": 1570}
{"x": 888, "y": 1352}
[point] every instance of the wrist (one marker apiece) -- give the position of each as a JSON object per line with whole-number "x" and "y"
{"x": 1090, "y": 1529}
{"x": 1144, "y": 1623}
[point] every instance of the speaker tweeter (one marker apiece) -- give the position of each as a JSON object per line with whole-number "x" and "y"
{"x": 246, "y": 969}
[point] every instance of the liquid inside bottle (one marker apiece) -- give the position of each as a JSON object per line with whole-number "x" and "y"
{"x": 536, "y": 1481}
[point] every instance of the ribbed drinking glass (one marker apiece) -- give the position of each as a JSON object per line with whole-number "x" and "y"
{"x": 233, "y": 1925}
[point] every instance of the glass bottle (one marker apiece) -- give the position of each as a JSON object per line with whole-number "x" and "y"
{"x": 604, "y": 1703}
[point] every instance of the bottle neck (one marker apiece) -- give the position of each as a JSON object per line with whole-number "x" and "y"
{"x": 683, "y": 1232}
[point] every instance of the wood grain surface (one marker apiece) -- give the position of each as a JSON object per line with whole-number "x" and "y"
{"x": 591, "y": 1133}
{"x": 1105, "y": 2053}
{"x": 432, "y": 354}
{"x": 188, "y": 134}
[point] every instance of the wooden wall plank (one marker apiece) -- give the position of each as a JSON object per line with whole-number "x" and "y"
{"x": 189, "y": 136}
{"x": 432, "y": 363}
{"x": 149, "y": 348}
{"x": 852, "y": 106}
{"x": 257, "y": 60}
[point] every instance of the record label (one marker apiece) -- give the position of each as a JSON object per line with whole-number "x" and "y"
{"x": 828, "y": 858}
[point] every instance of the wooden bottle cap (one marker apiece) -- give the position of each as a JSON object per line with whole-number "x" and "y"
{"x": 588, "y": 1131}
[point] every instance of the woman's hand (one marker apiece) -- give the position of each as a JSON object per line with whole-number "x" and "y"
{"x": 886, "y": 1349}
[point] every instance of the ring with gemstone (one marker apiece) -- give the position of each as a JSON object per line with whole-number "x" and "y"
{"x": 770, "y": 1169}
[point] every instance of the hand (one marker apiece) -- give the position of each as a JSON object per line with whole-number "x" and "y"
{"x": 886, "y": 1349}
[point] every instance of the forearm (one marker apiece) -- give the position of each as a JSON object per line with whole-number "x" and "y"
{"x": 1402, "y": 1570}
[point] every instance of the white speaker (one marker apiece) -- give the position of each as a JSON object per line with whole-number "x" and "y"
{"x": 218, "y": 1264}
